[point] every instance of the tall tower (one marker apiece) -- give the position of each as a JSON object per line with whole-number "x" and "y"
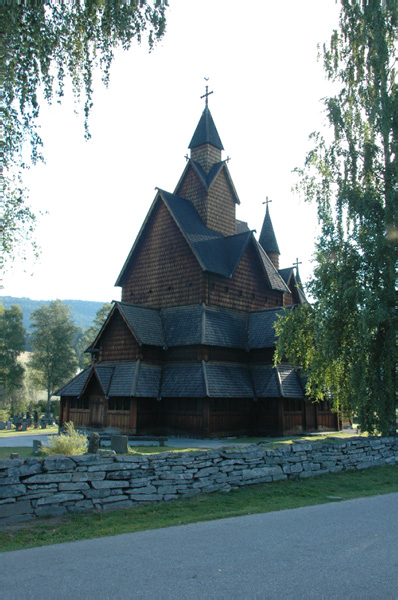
{"x": 206, "y": 181}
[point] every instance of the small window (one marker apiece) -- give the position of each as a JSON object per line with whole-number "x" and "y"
{"x": 120, "y": 404}
{"x": 79, "y": 403}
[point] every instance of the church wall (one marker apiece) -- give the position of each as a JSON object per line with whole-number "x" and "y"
{"x": 274, "y": 258}
{"x": 117, "y": 342}
{"x": 287, "y": 299}
{"x": 231, "y": 416}
{"x": 206, "y": 353}
{"x": 246, "y": 290}
{"x": 206, "y": 155}
{"x": 221, "y": 206}
{"x": 164, "y": 271}
{"x": 170, "y": 416}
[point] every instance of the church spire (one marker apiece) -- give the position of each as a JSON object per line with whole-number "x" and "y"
{"x": 206, "y": 145}
{"x": 206, "y": 132}
{"x": 268, "y": 239}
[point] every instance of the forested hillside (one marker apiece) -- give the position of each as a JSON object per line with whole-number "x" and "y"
{"x": 83, "y": 312}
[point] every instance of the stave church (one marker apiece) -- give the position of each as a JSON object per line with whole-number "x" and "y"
{"x": 188, "y": 351}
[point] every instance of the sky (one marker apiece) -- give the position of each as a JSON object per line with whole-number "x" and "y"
{"x": 261, "y": 61}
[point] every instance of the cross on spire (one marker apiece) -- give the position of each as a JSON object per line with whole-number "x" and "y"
{"x": 297, "y": 263}
{"x": 267, "y": 201}
{"x": 207, "y": 94}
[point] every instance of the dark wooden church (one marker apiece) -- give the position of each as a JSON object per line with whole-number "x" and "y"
{"x": 189, "y": 349}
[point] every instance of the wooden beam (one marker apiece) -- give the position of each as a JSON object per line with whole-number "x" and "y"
{"x": 133, "y": 415}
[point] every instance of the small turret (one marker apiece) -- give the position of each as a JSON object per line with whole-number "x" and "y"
{"x": 268, "y": 239}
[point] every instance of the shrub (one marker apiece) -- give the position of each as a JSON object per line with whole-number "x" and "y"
{"x": 69, "y": 443}
{"x": 4, "y": 415}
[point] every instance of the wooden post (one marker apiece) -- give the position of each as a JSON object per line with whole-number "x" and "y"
{"x": 281, "y": 416}
{"x": 133, "y": 416}
{"x": 64, "y": 411}
{"x": 61, "y": 411}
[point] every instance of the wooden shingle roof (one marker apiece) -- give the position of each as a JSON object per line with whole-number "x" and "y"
{"x": 214, "y": 251}
{"x": 261, "y": 333}
{"x": 206, "y": 132}
{"x": 189, "y": 380}
{"x": 195, "y": 324}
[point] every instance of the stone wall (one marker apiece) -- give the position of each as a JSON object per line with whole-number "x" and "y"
{"x": 56, "y": 485}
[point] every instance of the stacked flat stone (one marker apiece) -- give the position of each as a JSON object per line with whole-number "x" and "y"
{"x": 56, "y": 485}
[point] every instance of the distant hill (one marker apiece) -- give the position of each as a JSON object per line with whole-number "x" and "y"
{"x": 82, "y": 311}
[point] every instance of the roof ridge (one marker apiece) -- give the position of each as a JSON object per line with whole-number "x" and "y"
{"x": 136, "y": 305}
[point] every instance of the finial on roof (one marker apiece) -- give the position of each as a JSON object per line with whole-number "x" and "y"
{"x": 206, "y": 131}
{"x": 267, "y": 201}
{"x": 207, "y": 94}
{"x": 297, "y": 263}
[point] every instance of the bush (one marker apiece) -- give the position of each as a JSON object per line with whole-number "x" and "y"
{"x": 54, "y": 407}
{"x": 69, "y": 443}
{"x": 4, "y": 414}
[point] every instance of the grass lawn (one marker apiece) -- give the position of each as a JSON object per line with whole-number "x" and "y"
{"x": 252, "y": 499}
{"x": 22, "y": 451}
{"x": 32, "y": 431}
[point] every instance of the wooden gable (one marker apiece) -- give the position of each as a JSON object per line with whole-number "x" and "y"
{"x": 247, "y": 289}
{"x": 116, "y": 341}
{"x": 214, "y": 200}
{"x": 163, "y": 270}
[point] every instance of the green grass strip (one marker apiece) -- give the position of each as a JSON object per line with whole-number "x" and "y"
{"x": 32, "y": 431}
{"x": 260, "y": 498}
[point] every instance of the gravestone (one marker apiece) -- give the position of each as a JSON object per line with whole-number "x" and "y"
{"x": 43, "y": 424}
{"x": 8, "y": 425}
{"x": 14, "y": 455}
{"x": 37, "y": 446}
{"x": 24, "y": 426}
{"x": 119, "y": 443}
{"x": 93, "y": 443}
{"x": 2, "y": 425}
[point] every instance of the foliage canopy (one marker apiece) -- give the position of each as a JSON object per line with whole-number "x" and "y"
{"x": 346, "y": 340}
{"x": 45, "y": 44}
{"x": 12, "y": 343}
{"x": 90, "y": 334}
{"x": 53, "y": 357}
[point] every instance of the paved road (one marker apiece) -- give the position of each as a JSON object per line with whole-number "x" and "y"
{"x": 339, "y": 550}
{"x": 22, "y": 440}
